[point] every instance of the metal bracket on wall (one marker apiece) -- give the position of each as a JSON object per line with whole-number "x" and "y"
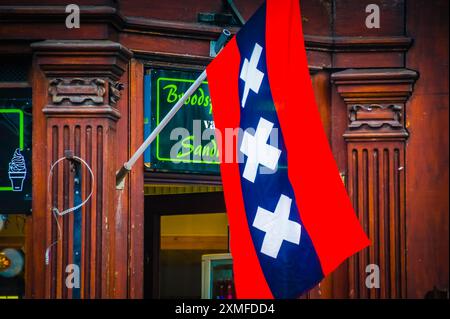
{"x": 216, "y": 46}
{"x": 223, "y": 19}
{"x": 237, "y": 15}
{"x": 216, "y": 18}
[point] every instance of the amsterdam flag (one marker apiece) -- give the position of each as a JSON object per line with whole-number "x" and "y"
{"x": 291, "y": 221}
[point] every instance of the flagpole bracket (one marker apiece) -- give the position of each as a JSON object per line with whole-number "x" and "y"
{"x": 120, "y": 176}
{"x": 216, "y": 46}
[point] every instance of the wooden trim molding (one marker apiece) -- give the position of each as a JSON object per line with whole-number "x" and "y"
{"x": 355, "y": 44}
{"x": 135, "y": 208}
{"x": 112, "y": 16}
{"x": 375, "y": 136}
{"x": 174, "y": 178}
{"x": 194, "y": 242}
{"x": 176, "y": 204}
{"x": 375, "y": 85}
{"x": 156, "y": 39}
{"x": 138, "y": 25}
{"x": 82, "y": 53}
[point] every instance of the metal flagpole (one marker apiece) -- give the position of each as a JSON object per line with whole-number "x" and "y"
{"x": 127, "y": 166}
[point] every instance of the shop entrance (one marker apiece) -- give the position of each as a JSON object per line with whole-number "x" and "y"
{"x": 183, "y": 223}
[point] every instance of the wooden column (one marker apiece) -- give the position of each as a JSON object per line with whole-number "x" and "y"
{"x": 76, "y": 90}
{"x": 375, "y": 137}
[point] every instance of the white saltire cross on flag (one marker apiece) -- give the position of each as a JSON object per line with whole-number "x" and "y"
{"x": 250, "y": 73}
{"x": 258, "y": 151}
{"x": 277, "y": 227}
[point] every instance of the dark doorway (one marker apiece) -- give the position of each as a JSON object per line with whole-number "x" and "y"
{"x": 175, "y": 272}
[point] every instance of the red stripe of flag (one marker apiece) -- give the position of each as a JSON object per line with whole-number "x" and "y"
{"x": 223, "y": 85}
{"x": 324, "y": 206}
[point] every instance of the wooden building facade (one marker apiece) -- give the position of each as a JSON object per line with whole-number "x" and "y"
{"x": 382, "y": 94}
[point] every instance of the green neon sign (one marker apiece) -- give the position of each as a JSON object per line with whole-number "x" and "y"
{"x": 174, "y": 94}
{"x": 187, "y": 144}
{"x": 19, "y": 113}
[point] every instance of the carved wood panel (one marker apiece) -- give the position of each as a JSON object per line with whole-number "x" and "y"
{"x": 376, "y": 187}
{"x": 76, "y": 109}
{"x": 91, "y": 141}
{"x": 375, "y": 141}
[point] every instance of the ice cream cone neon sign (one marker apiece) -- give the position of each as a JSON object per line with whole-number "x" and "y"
{"x": 17, "y": 171}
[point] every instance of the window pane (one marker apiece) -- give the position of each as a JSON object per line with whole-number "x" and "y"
{"x": 184, "y": 240}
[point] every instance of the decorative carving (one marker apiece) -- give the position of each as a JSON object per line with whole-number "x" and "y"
{"x": 375, "y": 116}
{"x": 77, "y": 90}
{"x": 375, "y": 100}
{"x": 114, "y": 91}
